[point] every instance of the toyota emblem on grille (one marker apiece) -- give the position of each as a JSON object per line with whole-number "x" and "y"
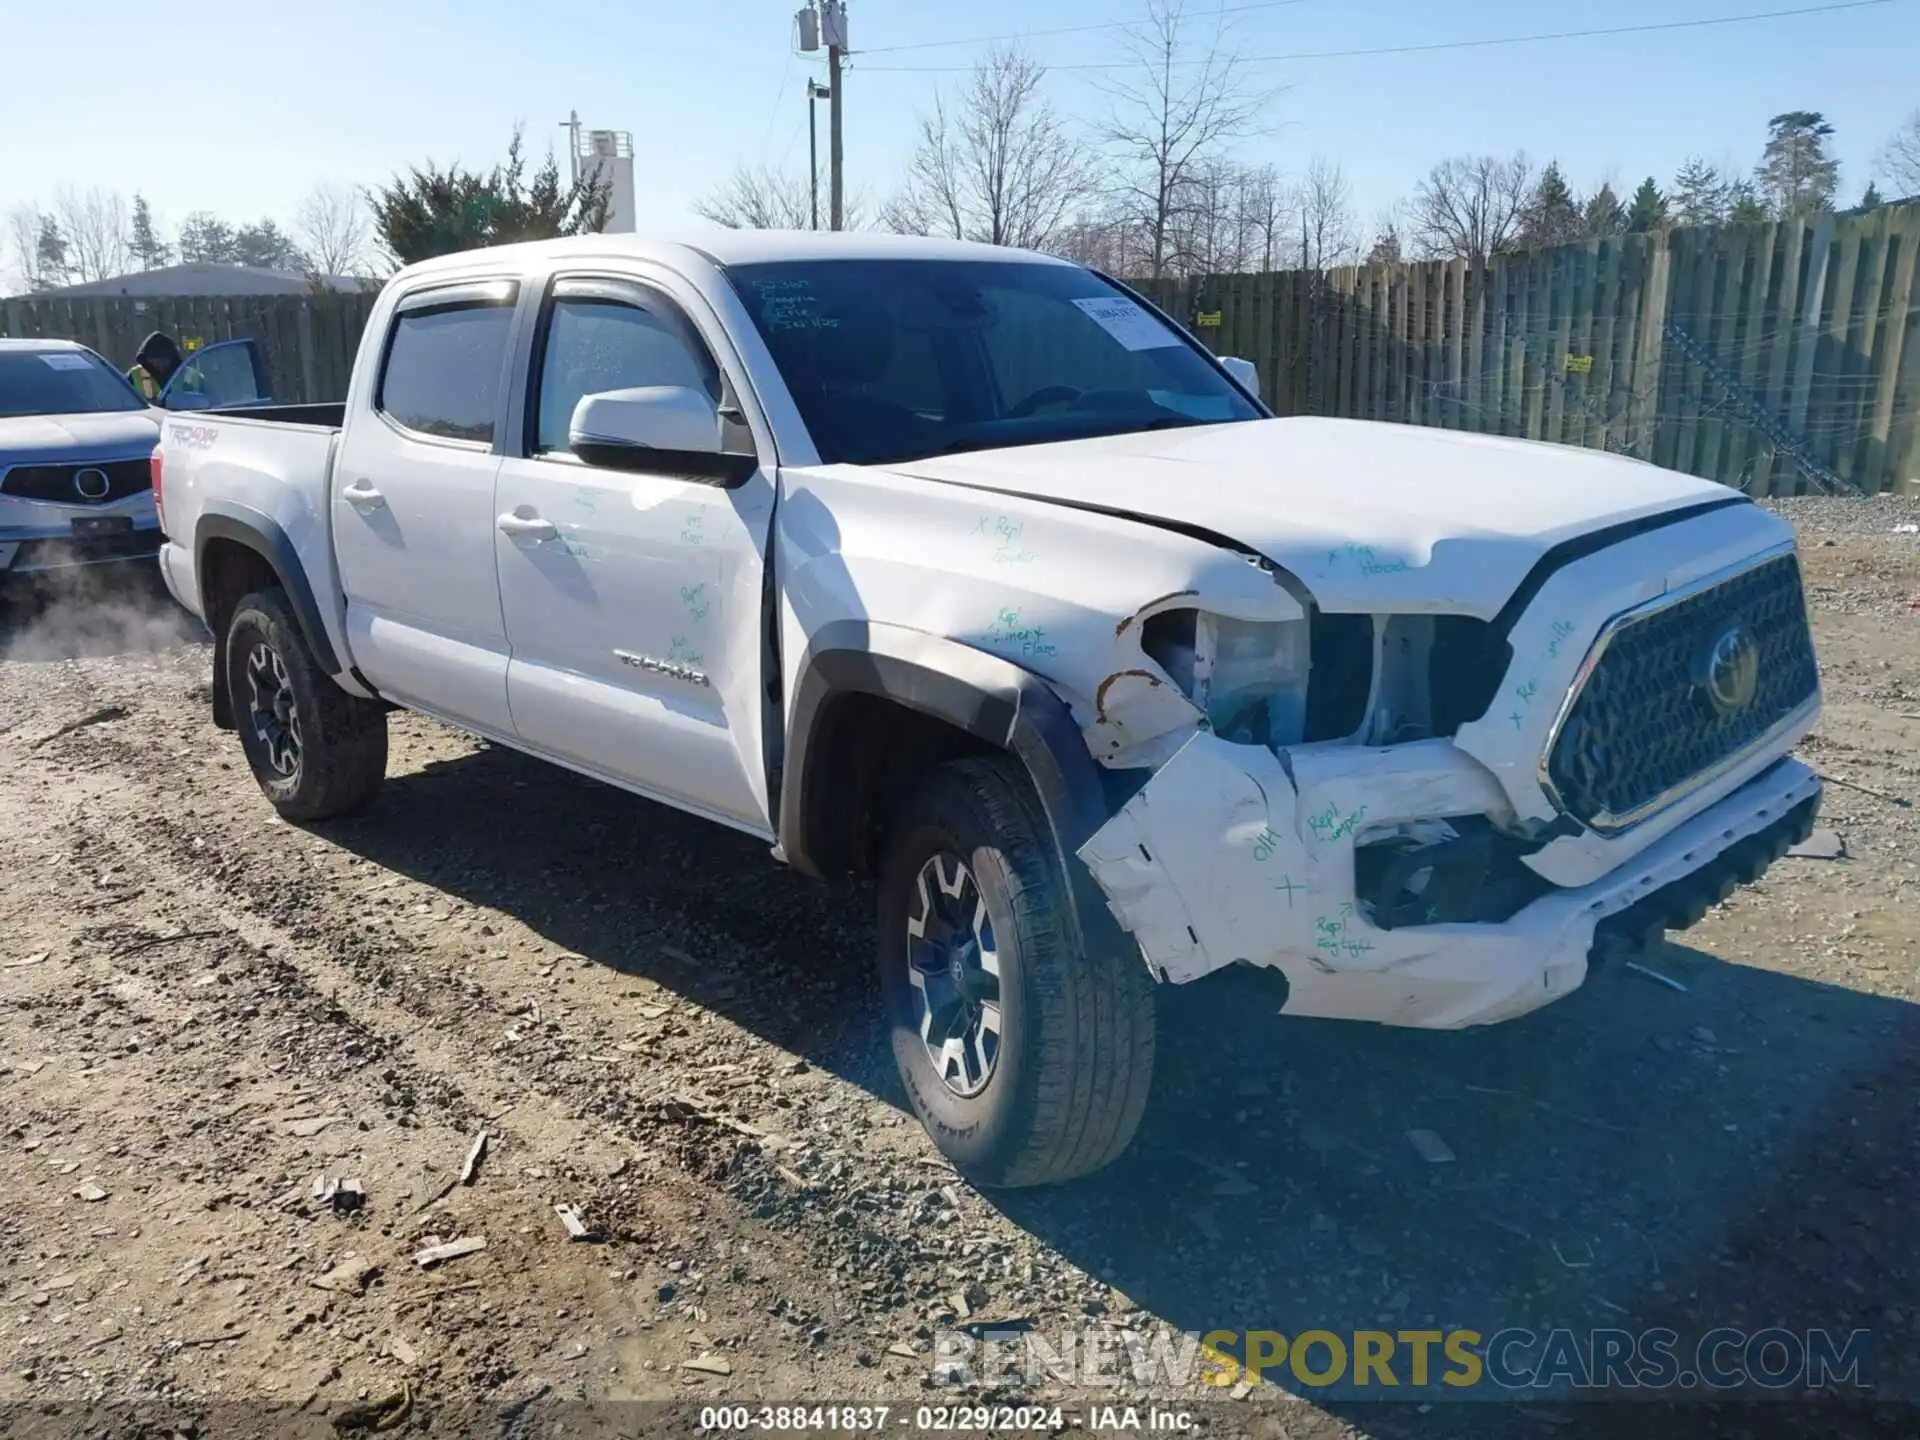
{"x": 91, "y": 484}
{"x": 1731, "y": 675}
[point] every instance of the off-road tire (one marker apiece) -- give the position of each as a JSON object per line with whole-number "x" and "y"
{"x": 1076, "y": 1051}
{"x": 342, "y": 754}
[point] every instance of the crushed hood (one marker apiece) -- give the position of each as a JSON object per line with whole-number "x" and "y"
{"x": 51, "y": 439}
{"x": 1369, "y": 516}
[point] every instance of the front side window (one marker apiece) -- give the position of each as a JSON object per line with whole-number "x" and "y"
{"x": 596, "y": 344}
{"x": 895, "y": 360}
{"x": 443, "y": 369}
{"x": 61, "y": 382}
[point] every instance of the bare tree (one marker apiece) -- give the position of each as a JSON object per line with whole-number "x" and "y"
{"x": 1329, "y": 235}
{"x": 1899, "y": 159}
{"x": 1103, "y": 238}
{"x": 1265, "y": 217}
{"x": 36, "y": 264}
{"x": 996, "y": 163}
{"x": 1470, "y": 207}
{"x": 760, "y": 198}
{"x": 1205, "y": 234}
{"x": 1185, "y": 97}
{"x": 96, "y": 228}
{"x": 332, "y": 231}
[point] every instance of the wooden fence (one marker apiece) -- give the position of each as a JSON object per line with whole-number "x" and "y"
{"x": 1781, "y": 358}
{"x": 308, "y": 340}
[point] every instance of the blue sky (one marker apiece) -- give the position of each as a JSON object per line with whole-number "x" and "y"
{"x": 268, "y": 97}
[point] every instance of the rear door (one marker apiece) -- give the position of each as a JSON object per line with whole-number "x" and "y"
{"x": 232, "y": 373}
{"x": 633, "y": 602}
{"x": 413, "y": 513}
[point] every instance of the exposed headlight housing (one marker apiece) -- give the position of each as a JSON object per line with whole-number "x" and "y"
{"x": 1248, "y": 676}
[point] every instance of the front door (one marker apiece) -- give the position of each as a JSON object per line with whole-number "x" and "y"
{"x": 413, "y": 512}
{"x": 633, "y": 602}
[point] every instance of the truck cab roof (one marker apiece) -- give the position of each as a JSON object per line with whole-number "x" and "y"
{"x": 731, "y": 247}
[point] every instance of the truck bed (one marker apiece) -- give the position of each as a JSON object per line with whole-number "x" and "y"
{"x": 331, "y": 416}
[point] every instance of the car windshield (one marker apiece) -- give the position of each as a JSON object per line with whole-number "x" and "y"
{"x": 893, "y": 360}
{"x": 61, "y": 382}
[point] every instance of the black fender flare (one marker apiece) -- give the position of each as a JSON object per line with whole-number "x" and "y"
{"x": 262, "y": 534}
{"x": 990, "y": 698}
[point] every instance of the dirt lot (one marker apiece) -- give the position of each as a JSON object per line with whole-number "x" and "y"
{"x": 202, "y": 1009}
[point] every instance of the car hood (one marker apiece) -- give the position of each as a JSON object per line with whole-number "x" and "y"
{"x": 1369, "y": 516}
{"x": 40, "y": 439}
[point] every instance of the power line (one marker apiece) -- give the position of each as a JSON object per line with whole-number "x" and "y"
{"x": 779, "y": 96}
{"x": 1065, "y": 29}
{"x": 1440, "y": 44}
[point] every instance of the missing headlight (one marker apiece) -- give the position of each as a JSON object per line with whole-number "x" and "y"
{"x": 1249, "y": 676}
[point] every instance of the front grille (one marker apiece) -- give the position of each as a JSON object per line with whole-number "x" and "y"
{"x": 58, "y": 483}
{"x": 1645, "y": 724}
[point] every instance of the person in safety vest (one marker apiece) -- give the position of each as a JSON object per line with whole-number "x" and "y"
{"x": 153, "y": 366}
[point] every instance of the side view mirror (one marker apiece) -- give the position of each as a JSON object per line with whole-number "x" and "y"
{"x": 1243, "y": 371}
{"x": 656, "y": 430}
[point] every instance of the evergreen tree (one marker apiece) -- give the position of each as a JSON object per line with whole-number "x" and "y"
{"x": 206, "y": 239}
{"x": 1604, "y": 213}
{"x": 148, "y": 248}
{"x": 268, "y": 247}
{"x": 1700, "y": 195}
{"x": 1796, "y": 174}
{"x": 50, "y": 262}
{"x": 437, "y": 212}
{"x": 1552, "y": 216}
{"x": 1873, "y": 199}
{"x": 1647, "y": 211}
{"x": 1746, "y": 208}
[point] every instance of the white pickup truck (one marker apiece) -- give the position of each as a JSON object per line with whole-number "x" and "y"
{"x": 965, "y": 571}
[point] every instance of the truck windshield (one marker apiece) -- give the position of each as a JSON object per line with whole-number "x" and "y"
{"x": 61, "y": 382}
{"x": 893, "y": 360}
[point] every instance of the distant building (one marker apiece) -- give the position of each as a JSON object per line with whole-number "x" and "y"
{"x": 207, "y": 278}
{"x": 608, "y": 154}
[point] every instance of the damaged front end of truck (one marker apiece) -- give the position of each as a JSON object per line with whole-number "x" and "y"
{"x": 1433, "y": 815}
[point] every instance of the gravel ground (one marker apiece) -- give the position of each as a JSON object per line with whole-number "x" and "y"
{"x": 203, "y": 1009}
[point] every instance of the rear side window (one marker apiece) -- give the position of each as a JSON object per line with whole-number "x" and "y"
{"x": 444, "y": 368}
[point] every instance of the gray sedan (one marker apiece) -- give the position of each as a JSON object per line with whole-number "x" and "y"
{"x": 76, "y": 487}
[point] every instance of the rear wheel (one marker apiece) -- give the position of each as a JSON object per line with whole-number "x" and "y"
{"x": 315, "y": 750}
{"x": 1027, "y": 1058}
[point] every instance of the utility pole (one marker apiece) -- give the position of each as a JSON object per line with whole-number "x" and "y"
{"x": 833, "y": 24}
{"x": 572, "y": 126}
{"x": 815, "y": 91}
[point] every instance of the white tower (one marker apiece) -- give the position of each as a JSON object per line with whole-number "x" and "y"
{"x": 608, "y": 156}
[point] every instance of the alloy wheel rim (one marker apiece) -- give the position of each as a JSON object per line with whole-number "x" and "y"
{"x": 953, "y": 967}
{"x": 271, "y": 712}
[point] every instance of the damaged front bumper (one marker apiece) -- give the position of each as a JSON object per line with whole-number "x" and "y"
{"x": 1226, "y": 855}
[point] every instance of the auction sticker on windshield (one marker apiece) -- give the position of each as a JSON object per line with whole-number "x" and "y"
{"x": 60, "y": 360}
{"x": 1128, "y": 323}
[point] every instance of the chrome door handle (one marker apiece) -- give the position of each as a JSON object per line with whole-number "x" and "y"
{"x": 526, "y": 527}
{"x": 362, "y": 496}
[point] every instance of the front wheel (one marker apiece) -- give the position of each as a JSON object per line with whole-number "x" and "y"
{"x": 1027, "y": 1057}
{"x": 315, "y": 750}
